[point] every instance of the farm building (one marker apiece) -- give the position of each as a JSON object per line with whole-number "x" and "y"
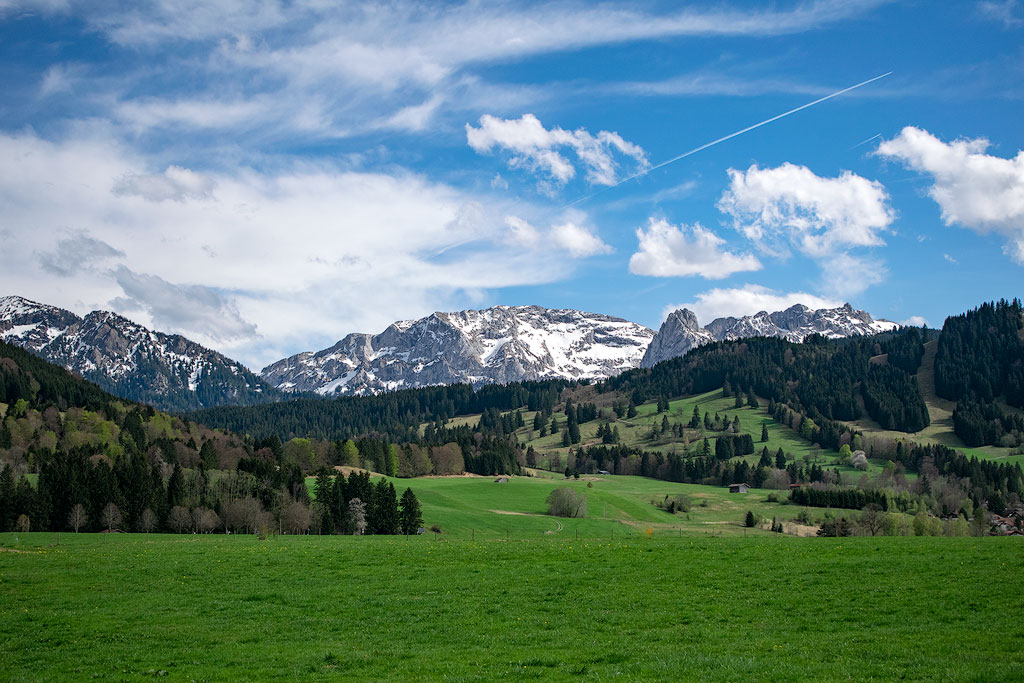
{"x": 501, "y": 480}
{"x": 738, "y": 488}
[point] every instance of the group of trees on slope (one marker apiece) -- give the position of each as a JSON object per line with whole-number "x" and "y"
{"x": 826, "y": 380}
{"x": 980, "y": 360}
{"x": 103, "y": 464}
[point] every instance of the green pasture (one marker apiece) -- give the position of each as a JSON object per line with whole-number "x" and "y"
{"x": 773, "y": 608}
{"x": 479, "y": 508}
{"x": 617, "y": 506}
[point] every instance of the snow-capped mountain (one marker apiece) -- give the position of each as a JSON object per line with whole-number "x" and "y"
{"x": 681, "y": 332}
{"x": 128, "y": 360}
{"x": 495, "y": 345}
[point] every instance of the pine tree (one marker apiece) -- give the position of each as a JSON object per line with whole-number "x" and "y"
{"x": 538, "y": 422}
{"x": 764, "y": 432}
{"x": 780, "y": 459}
{"x": 573, "y": 428}
{"x": 208, "y": 455}
{"x": 410, "y": 516}
{"x": 566, "y": 439}
{"x": 631, "y": 410}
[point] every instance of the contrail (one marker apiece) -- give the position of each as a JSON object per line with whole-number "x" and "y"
{"x": 729, "y": 137}
{"x": 864, "y": 142}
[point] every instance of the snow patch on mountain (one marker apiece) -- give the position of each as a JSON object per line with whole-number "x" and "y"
{"x": 681, "y": 332}
{"x": 495, "y": 345}
{"x": 127, "y": 359}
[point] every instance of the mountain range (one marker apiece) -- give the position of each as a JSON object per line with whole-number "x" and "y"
{"x": 129, "y": 360}
{"x": 500, "y": 344}
{"x": 681, "y": 332}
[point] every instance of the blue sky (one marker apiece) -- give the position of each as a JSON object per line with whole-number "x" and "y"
{"x": 267, "y": 177}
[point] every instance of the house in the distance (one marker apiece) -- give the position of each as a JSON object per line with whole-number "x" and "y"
{"x": 738, "y": 488}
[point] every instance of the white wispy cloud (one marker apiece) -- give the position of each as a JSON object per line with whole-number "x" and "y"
{"x": 979, "y": 191}
{"x": 1007, "y": 12}
{"x": 667, "y": 250}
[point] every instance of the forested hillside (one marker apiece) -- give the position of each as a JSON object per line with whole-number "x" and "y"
{"x": 823, "y": 379}
{"x": 980, "y": 362}
{"x": 101, "y": 463}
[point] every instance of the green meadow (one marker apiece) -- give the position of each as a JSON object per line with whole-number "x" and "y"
{"x": 617, "y": 507}
{"x": 772, "y": 607}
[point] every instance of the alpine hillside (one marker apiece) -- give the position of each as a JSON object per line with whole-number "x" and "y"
{"x": 494, "y": 345}
{"x": 681, "y": 332}
{"x": 167, "y": 371}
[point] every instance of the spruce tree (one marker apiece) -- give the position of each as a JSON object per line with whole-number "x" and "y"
{"x": 764, "y": 432}
{"x": 410, "y": 516}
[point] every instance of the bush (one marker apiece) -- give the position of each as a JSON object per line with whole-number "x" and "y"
{"x": 567, "y": 502}
{"x": 751, "y": 520}
{"x": 673, "y": 504}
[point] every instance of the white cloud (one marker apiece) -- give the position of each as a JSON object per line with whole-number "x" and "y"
{"x": 667, "y": 250}
{"x": 845, "y": 276}
{"x": 915, "y": 321}
{"x": 818, "y": 216}
{"x": 578, "y": 240}
{"x": 304, "y": 254}
{"x": 747, "y": 300}
{"x": 415, "y": 117}
{"x": 981, "y": 192}
{"x": 521, "y": 233}
{"x": 535, "y": 148}
{"x": 951, "y": 259}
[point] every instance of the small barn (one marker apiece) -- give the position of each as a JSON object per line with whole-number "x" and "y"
{"x": 501, "y": 480}
{"x": 738, "y": 488}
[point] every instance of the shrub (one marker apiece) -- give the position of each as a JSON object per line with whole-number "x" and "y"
{"x": 751, "y": 520}
{"x": 567, "y": 502}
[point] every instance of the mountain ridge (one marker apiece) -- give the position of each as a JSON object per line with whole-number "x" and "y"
{"x": 127, "y": 359}
{"x": 681, "y": 330}
{"x": 499, "y": 344}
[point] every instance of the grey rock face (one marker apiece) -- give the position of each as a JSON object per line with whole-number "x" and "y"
{"x": 680, "y": 332}
{"x": 129, "y": 360}
{"x": 495, "y": 345}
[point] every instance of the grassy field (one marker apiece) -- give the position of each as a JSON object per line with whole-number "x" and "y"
{"x": 478, "y": 507}
{"x": 131, "y": 607}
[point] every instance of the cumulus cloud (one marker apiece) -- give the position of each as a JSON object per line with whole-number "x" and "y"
{"x": 568, "y": 235}
{"x": 194, "y": 310}
{"x": 915, "y": 321}
{"x": 578, "y": 240}
{"x": 537, "y": 149}
{"x": 981, "y": 192}
{"x": 790, "y": 205}
{"x": 667, "y": 250}
{"x": 75, "y": 253}
{"x": 747, "y": 300}
{"x": 521, "y": 233}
